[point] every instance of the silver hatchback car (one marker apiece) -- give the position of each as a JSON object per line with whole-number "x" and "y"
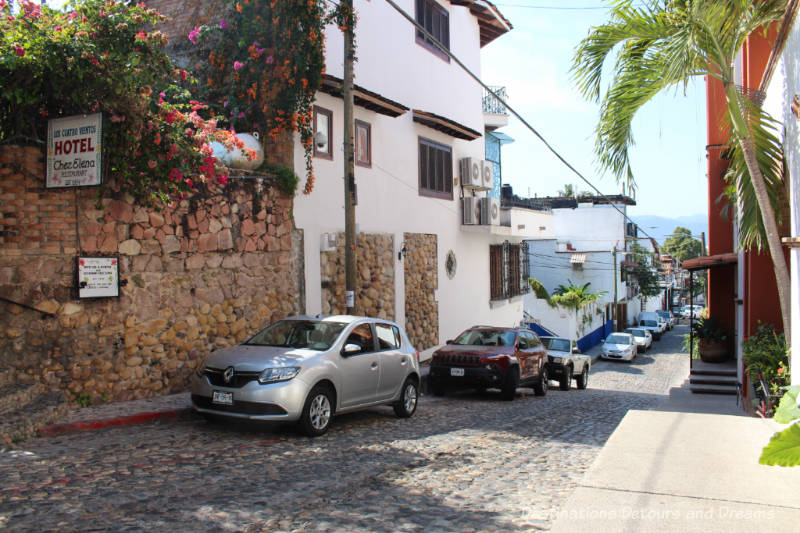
{"x": 307, "y": 369}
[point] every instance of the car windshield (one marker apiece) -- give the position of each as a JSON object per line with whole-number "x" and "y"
{"x": 637, "y": 332}
{"x": 486, "y": 337}
{"x": 663, "y": 314}
{"x": 618, "y": 339}
{"x": 557, "y": 345}
{"x": 650, "y": 323}
{"x": 311, "y": 334}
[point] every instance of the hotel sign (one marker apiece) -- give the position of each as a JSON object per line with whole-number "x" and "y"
{"x": 74, "y": 151}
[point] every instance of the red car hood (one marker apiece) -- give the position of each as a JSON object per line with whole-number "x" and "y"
{"x": 453, "y": 349}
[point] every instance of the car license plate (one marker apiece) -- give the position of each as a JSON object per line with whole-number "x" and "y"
{"x": 225, "y": 398}
{"x": 456, "y": 371}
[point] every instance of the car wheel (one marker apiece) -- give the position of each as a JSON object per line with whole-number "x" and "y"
{"x": 510, "y": 385}
{"x": 583, "y": 380}
{"x": 405, "y": 406}
{"x": 566, "y": 378}
{"x": 317, "y": 412}
{"x": 540, "y": 388}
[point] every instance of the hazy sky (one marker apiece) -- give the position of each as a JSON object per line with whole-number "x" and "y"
{"x": 533, "y": 62}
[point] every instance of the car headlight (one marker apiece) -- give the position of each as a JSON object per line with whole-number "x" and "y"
{"x": 282, "y": 373}
{"x": 556, "y": 359}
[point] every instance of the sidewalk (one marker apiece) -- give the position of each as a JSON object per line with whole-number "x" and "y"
{"x": 690, "y": 465}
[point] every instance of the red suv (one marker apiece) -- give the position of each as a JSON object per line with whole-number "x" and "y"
{"x": 484, "y": 357}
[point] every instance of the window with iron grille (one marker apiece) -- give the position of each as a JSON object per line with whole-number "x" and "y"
{"x": 435, "y": 169}
{"x": 509, "y": 270}
{"x": 436, "y": 21}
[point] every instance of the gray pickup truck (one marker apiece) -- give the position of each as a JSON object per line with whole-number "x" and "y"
{"x": 564, "y": 363}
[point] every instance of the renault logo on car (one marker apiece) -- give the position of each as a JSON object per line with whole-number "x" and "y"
{"x": 228, "y": 374}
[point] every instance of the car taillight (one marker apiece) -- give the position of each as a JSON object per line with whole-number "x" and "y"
{"x": 417, "y": 352}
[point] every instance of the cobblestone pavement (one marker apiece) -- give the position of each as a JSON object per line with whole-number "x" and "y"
{"x": 465, "y": 462}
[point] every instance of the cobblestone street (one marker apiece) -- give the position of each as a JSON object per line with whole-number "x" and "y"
{"x": 465, "y": 462}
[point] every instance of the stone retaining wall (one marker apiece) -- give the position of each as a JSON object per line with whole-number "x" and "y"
{"x": 375, "y": 263}
{"x": 199, "y": 276}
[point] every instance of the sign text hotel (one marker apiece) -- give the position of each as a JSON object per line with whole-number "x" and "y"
{"x": 74, "y": 151}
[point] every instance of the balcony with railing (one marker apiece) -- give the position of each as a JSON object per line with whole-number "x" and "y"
{"x": 495, "y": 114}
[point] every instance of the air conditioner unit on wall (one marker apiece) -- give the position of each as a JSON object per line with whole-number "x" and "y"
{"x": 490, "y": 211}
{"x": 470, "y": 212}
{"x": 487, "y": 175}
{"x": 471, "y": 173}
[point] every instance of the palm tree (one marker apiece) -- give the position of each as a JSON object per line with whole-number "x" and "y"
{"x": 663, "y": 44}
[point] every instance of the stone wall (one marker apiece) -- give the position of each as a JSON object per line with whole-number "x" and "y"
{"x": 375, "y": 264}
{"x": 199, "y": 276}
{"x": 422, "y": 281}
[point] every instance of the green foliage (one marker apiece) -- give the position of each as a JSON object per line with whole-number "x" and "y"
{"x": 655, "y": 46}
{"x": 574, "y": 296}
{"x": 538, "y": 289}
{"x": 285, "y": 176}
{"x": 690, "y": 345}
{"x": 83, "y": 399}
{"x": 708, "y": 328}
{"x": 783, "y": 449}
{"x": 682, "y": 245}
{"x": 789, "y": 408}
{"x": 260, "y": 65}
{"x": 647, "y": 279}
{"x": 765, "y": 354}
{"x": 739, "y": 192}
{"x": 103, "y": 56}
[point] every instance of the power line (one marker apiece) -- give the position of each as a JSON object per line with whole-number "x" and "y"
{"x": 449, "y": 54}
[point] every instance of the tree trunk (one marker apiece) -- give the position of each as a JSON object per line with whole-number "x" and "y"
{"x": 771, "y": 228}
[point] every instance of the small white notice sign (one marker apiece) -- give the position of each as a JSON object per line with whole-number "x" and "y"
{"x": 98, "y": 277}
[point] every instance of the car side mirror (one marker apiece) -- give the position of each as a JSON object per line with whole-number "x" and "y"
{"x": 450, "y": 341}
{"x": 350, "y": 349}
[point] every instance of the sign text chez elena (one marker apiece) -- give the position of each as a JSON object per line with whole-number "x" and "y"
{"x": 74, "y": 151}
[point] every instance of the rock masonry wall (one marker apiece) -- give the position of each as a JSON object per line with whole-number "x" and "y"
{"x": 199, "y": 276}
{"x": 422, "y": 281}
{"x": 375, "y": 263}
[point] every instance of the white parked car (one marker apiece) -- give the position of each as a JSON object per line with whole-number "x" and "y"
{"x": 308, "y": 369}
{"x": 695, "y": 311}
{"x": 643, "y": 338}
{"x": 668, "y": 317}
{"x": 619, "y": 346}
{"x": 653, "y": 326}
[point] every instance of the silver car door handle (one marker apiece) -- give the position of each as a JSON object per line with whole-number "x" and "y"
{"x": 374, "y": 366}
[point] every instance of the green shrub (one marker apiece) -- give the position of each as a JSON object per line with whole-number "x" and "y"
{"x": 765, "y": 353}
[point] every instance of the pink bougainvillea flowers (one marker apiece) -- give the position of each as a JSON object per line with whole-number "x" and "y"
{"x": 194, "y": 35}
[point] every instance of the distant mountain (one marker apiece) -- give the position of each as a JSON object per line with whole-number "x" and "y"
{"x": 661, "y": 227}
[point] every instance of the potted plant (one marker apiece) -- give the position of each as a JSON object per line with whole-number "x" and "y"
{"x": 713, "y": 344}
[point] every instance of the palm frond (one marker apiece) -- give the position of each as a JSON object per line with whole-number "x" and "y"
{"x": 740, "y": 192}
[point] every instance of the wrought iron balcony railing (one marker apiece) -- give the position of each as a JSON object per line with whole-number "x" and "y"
{"x": 492, "y": 104}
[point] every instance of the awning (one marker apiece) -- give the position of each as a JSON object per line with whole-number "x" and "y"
{"x": 710, "y": 261}
{"x": 445, "y": 125}
{"x": 362, "y": 97}
{"x": 577, "y": 259}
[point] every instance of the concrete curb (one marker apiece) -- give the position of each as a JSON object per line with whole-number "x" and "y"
{"x": 116, "y": 421}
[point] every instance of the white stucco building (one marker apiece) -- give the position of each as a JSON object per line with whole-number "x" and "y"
{"x": 418, "y": 116}
{"x": 589, "y": 246}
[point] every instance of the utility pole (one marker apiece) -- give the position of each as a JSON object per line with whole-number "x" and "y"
{"x": 349, "y": 160}
{"x": 614, "y": 308}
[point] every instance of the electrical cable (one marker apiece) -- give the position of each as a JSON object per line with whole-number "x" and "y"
{"x": 552, "y": 150}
